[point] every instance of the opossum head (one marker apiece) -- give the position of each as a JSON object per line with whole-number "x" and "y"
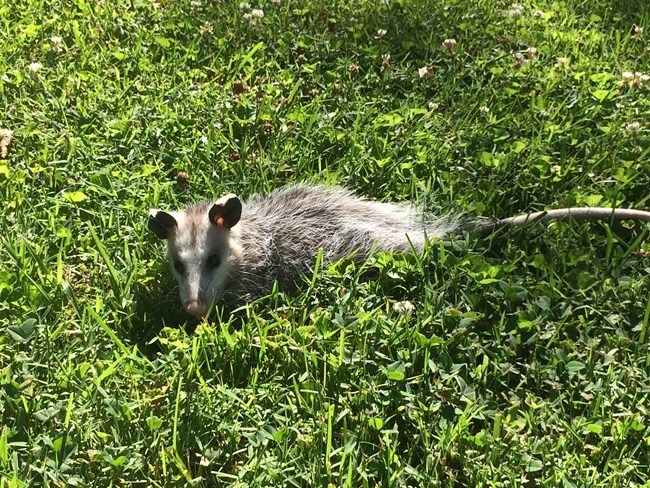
{"x": 201, "y": 249}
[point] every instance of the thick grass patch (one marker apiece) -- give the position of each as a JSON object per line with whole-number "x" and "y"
{"x": 521, "y": 359}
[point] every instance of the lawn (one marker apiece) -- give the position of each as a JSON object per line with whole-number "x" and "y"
{"x": 519, "y": 359}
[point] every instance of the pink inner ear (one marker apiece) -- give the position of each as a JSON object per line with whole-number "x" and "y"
{"x": 219, "y": 221}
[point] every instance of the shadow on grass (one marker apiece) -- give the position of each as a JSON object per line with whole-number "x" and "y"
{"x": 630, "y": 9}
{"x": 156, "y": 309}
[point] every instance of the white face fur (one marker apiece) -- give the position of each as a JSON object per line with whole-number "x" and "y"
{"x": 199, "y": 249}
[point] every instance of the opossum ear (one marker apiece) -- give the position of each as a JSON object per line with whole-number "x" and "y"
{"x": 226, "y": 212}
{"x": 161, "y": 223}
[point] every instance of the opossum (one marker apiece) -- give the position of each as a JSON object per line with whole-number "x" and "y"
{"x": 232, "y": 252}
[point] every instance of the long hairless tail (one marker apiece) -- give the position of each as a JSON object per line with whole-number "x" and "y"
{"x": 577, "y": 213}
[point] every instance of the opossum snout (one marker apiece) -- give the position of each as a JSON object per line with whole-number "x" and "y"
{"x": 196, "y": 308}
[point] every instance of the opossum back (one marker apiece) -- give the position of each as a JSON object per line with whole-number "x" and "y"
{"x": 281, "y": 233}
{"x": 310, "y": 217}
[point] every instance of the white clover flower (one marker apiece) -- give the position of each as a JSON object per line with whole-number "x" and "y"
{"x": 632, "y": 127}
{"x": 403, "y": 307}
{"x": 425, "y": 72}
{"x": 556, "y": 169}
{"x": 532, "y": 52}
{"x": 635, "y": 80}
{"x": 381, "y": 33}
{"x": 519, "y": 61}
{"x": 449, "y": 44}
{"x": 244, "y": 6}
{"x": 255, "y": 16}
{"x": 385, "y": 61}
{"x": 207, "y": 29}
{"x": 204, "y": 140}
{"x": 516, "y": 9}
{"x": 35, "y": 67}
{"x": 484, "y": 109}
{"x": 57, "y": 44}
{"x": 433, "y": 106}
{"x": 6, "y": 136}
{"x": 561, "y": 62}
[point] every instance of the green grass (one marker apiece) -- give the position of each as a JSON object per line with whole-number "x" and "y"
{"x": 525, "y": 360}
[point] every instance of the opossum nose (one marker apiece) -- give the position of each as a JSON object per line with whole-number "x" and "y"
{"x": 197, "y": 309}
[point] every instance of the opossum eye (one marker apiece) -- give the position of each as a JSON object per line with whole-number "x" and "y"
{"x": 179, "y": 267}
{"x": 213, "y": 261}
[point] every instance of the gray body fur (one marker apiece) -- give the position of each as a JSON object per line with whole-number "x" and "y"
{"x": 233, "y": 252}
{"x": 281, "y": 234}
